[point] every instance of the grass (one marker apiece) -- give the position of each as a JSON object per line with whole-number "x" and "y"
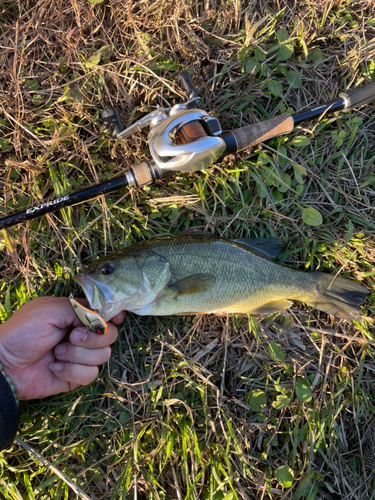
{"x": 196, "y": 407}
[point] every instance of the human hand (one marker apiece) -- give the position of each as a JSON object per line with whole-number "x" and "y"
{"x": 43, "y": 351}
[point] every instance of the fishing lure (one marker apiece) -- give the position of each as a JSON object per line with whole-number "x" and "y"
{"x": 91, "y": 319}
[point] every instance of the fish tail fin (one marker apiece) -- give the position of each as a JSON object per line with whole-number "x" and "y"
{"x": 338, "y": 296}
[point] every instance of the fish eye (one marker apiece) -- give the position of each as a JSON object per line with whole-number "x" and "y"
{"x": 108, "y": 269}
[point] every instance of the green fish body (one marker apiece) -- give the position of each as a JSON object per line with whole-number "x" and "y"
{"x": 206, "y": 274}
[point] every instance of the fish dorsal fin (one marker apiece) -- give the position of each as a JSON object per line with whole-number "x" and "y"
{"x": 273, "y": 307}
{"x": 270, "y": 247}
{"x": 195, "y": 283}
{"x": 195, "y": 231}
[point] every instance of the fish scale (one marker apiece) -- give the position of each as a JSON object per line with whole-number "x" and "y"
{"x": 244, "y": 281}
{"x": 193, "y": 274}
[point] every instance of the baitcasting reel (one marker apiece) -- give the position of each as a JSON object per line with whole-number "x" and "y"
{"x": 182, "y": 138}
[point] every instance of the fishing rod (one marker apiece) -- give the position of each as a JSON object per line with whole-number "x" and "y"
{"x": 186, "y": 139}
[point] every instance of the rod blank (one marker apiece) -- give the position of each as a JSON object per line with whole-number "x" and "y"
{"x": 359, "y": 97}
{"x": 66, "y": 201}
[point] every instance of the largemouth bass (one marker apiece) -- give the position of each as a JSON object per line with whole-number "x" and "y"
{"x": 206, "y": 274}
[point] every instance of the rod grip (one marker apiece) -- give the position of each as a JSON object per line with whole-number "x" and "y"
{"x": 143, "y": 173}
{"x": 260, "y": 132}
{"x": 359, "y": 97}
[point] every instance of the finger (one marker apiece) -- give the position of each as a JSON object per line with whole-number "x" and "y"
{"x": 56, "y": 311}
{"x": 74, "y": 373}
{"x": 119, "y": 318}
{"x": 93, "y": 340}
{"x": 57, "y": 387}
{"x": 78, "y": 354}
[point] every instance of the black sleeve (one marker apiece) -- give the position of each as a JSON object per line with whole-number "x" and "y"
{"x": 8, "y": 414}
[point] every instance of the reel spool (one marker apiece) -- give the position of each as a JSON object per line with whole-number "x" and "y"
{"x": 190, "y": 132}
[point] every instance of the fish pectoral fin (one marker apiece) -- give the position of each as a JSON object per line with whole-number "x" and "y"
{"x": 270, "y": 247}
{"x": 195, "y": 283}
{"x": 273, "y": 307}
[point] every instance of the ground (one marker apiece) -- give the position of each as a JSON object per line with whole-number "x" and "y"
{"x": 201, "y": 407}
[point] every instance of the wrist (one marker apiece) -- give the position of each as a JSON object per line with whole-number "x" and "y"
{"x": 8, "y": 414}
{"x": 10, "y": 383}
{"x": 8, "y": 367}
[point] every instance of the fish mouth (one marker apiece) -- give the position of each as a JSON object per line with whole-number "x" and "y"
{"x": 85, "y": 283}
{"x": 99, "y": 296}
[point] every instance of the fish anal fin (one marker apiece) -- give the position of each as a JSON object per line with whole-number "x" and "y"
{"x": 273, "y": 307}
{"x": 195, "y": 283}
{"x": 271, "y": 247}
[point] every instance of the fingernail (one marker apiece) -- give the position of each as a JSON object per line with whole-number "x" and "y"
{"x": 56, "y": 367}
{"x": 60, "y": 349}
{"x": 77, "y": 335}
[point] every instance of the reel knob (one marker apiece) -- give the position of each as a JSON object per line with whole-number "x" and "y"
{"x": 184, "y": 80}
{"x": 111, "y": 117}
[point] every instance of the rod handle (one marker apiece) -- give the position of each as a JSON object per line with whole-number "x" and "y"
{"x": 260, "y": 132}
{"x": 359, "y": 97}
{"x": 184, "y": 80}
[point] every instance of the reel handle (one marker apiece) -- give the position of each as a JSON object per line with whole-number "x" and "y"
{"x": 185, "y": 82}
{"x": 111, "y": 118}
